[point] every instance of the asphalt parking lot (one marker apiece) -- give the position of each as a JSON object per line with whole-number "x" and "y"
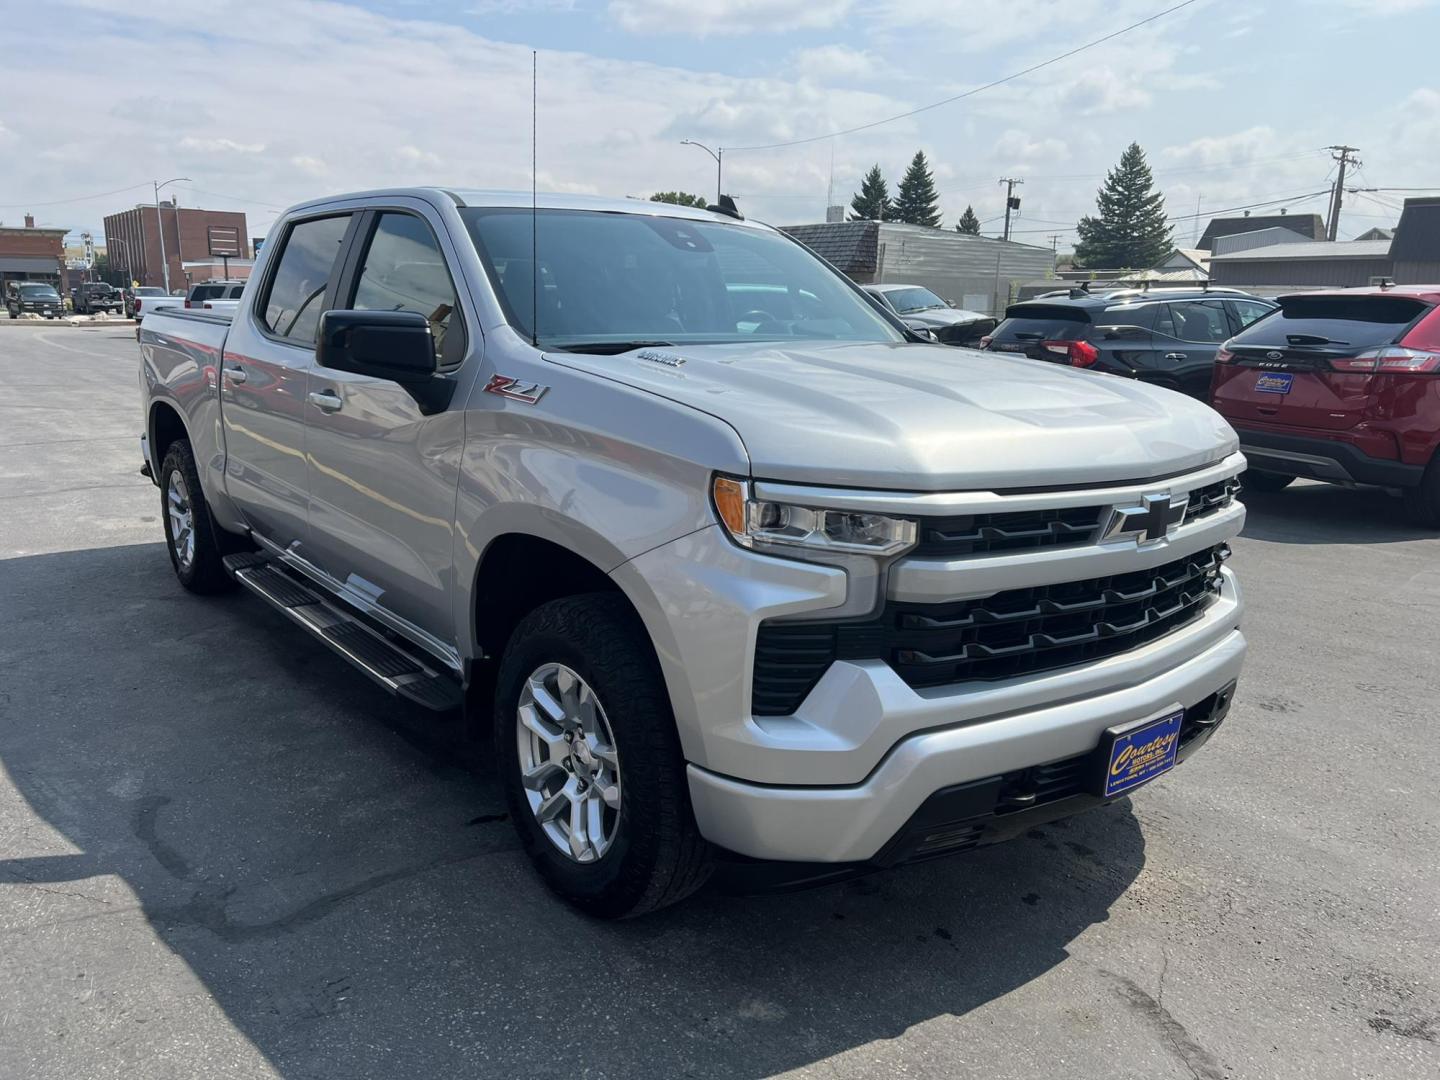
{"x": 221, "y": 855}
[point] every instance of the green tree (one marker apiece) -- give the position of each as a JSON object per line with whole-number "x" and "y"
{"x": 968, "y": 222}
{"x": 1131, "y": 231}
{"x": 680, "y": 198}
{"x": 916, "y": 200}
{"x": 872, "y": 201}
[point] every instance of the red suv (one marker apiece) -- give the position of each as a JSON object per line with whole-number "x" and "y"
{"x": 1341, "y": 386}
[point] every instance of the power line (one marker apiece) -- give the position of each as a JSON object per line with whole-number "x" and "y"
{"x": 78, "y": 198}
{"x": 976, "y": 90}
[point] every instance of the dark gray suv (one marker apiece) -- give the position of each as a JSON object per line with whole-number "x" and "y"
{"x": 1167, "y": 337}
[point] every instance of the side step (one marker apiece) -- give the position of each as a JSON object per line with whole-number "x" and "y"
{"x": 386, "y": 659}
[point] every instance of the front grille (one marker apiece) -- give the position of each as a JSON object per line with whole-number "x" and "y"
{"x": 1211, "y": 498}
{"x": 1014, "y": 530}
{"x": 1019, "y": 632}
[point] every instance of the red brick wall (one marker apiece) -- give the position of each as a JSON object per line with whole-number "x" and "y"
{"x": 32, "y": 243}
{"x": 136, "y": 232}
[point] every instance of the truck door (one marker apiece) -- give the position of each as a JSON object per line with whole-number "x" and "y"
{"x": 382, "y": 473}
{"x": 262, "y": 382}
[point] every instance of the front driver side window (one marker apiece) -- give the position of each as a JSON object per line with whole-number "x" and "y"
{"x": 404, "y": 270}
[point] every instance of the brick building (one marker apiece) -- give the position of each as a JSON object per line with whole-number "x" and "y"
{"x": 30, "y": 253}
{"x": 193, "y": 241}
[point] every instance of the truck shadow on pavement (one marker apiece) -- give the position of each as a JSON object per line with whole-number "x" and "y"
{"x": 347, "y": 889}
{"x": 1314, "y": 513}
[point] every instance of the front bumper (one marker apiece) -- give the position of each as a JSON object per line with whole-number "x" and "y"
{"x": 856, "y": 823}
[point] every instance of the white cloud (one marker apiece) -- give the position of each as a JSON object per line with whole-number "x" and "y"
{"x": 705, "y": 18}
{"x": 829, "y": 63}
{"x": 220, "y": 146}
{"x": 516, "y": 7}
{"x": 1105, "y": 90}
{"x": 414, "y": 156}
{"x": 310, "y": 166}
{"x": 1019, "y": 148}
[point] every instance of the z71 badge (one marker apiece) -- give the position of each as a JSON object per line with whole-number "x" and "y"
{"x": 508, "y": 386}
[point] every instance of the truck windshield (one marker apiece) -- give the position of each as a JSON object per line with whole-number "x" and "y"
{"x": 39, "y": 292}
{"x": 613, "y": 278}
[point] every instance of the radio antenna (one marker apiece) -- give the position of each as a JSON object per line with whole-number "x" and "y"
{"x": 534, "y": 228}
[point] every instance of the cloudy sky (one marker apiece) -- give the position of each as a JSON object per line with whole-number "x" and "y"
{"x": 263, "y": 103}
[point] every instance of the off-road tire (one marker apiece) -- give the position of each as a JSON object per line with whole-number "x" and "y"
{"x": 205, "y": 574}
{"x": 658, "y": 856}
{"x": 1266, "y": 481}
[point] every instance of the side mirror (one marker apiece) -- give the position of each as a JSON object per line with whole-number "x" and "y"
{"x": 393, "y": 345}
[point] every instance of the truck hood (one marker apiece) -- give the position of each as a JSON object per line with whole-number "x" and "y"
{"x": 916, "y": 417}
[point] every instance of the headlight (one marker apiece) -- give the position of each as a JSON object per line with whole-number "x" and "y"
{"x": 754, "y": 523}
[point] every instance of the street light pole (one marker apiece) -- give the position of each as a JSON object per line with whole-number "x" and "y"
{"x": 160, "y": 228}
{"x": 718, "y": 154}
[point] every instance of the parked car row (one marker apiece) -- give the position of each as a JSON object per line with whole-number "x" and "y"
{"x": 1338, "y": 385}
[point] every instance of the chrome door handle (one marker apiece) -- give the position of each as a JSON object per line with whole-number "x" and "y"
{"x": 237, "y": 374}
{"x": 1176, "y": 355}
{"x": 326, "y": 400}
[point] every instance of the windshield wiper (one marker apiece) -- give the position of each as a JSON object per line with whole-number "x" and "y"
{"x": 1312, "y": 339}
{"x": 612, "y": 348}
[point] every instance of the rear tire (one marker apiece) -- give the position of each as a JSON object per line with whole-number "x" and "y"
{"x": 649, "y": 853}
{"x": 1422, "y": 503}
{"x": 191, "y": 535}
{"x": 1266, "y": 481}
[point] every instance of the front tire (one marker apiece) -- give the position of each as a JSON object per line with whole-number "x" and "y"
{"x": 1266, "y": 481}
{"x": 190, "y": 533}
{"x": 588, "y": 753}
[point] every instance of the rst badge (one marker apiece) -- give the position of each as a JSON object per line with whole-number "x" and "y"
{"x": 507, "y": 386}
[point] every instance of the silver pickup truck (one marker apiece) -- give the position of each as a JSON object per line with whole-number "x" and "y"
{"x": 733, "y": 569}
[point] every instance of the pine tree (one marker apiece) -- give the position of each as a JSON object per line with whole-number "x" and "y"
{"x": 916, "y": 200}
{"x": 968, "y": 222}
{"x": 1131, "y": 232}
{"x": 872, "y": 201}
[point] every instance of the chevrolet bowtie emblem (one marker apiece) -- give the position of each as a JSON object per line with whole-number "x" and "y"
{"x": 1150, "y": 522}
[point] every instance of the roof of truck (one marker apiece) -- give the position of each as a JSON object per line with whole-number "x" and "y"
{"x": 544, "y": 200}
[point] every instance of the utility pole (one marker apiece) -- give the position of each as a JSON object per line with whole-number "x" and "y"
{"x": 1055, "y": 243}
{"x": 1345, "y": 156}
{"x": 1012, "y": 202}
{"x": 160, "y": 228}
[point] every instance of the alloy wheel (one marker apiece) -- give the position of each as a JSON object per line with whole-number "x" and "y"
{"x": 569, "y": 766}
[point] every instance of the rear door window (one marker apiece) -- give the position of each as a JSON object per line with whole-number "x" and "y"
{"x": 1359, "y": 321}
{"x": 297, "y": 289}
{"x": 1199, "y": 321}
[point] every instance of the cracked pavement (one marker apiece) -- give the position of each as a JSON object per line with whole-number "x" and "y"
{"x": 223, "y": 855}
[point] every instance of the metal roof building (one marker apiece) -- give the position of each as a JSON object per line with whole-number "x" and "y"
{"x": 1309, "y": 226}
{"x": 1310, "y": 263}
{"x": 1410, "y": 257}
{"x": 978, "y": 273}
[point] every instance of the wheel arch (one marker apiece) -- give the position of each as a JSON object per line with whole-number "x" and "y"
{"x": 165, "y": 426}
{"x": 516, "y": 573}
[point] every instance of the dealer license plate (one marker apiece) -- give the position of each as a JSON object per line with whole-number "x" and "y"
{"x": 1140, "y": 752}
{"x": 1274, "y": 383}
